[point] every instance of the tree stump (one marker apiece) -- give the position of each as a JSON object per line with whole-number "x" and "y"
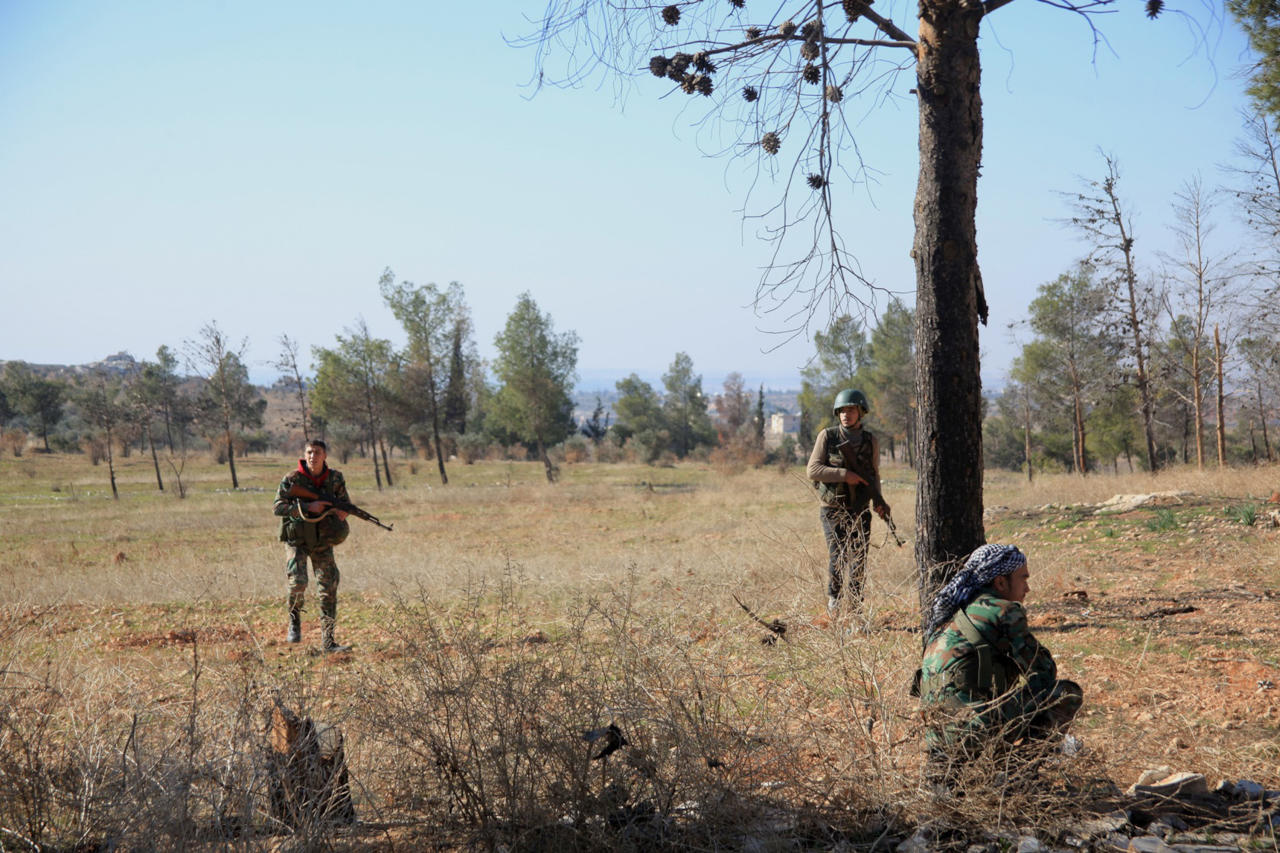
{"x": 307, "y": 770}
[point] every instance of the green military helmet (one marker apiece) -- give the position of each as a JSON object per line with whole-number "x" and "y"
{"x": 850, "y": 397}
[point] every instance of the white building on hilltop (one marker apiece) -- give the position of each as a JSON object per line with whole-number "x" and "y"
{"x": 781, "y": 425}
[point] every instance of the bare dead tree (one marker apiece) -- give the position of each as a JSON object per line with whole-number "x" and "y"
{"x": 1257, "y": 200}
{"x": 1261, "y": 356}
{"x": 1203, "y": 291}
{"x": 220, "y": 362}
{"x": 287, "y": 362}
{"x": 1102, "y": 217}
{"x": 99, "y": 400}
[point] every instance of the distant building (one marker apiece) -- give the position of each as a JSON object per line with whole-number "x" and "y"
{"x": 780, "y": 425}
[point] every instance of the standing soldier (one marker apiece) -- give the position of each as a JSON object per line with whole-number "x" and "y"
{"x": 845, "y": 464}
{"x": 311, "y": 529}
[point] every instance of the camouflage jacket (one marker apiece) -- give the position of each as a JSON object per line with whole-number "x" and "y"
{"x": 330, "y": 531}
{"x": 953, "y": 696}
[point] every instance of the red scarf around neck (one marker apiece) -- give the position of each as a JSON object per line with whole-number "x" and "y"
{"x": 306, "y": 472}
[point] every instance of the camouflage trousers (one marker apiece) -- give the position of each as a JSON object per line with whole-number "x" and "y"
{"x": 1021, "y": 721}
{"x": 847, "y": 533}
{"x": 327, "y": 576}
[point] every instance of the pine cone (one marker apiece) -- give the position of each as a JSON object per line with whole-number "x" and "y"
{"x": 808, "y": 50}
{"x": 671, "y": 15}
{"x": 737, "y": 4}
{"x": 701, "y": 63}
{"x": 852, "y": 9}
{"x": 812, "y": 30}
{"x": 705, "y": 85}
{"x": 811, "y": 74}
{"x": 788, "y": 28}
{"x": 749, "y": 93}
{"x": 689, "y": 83}
{"x": 754, "y": 33}
{"x": 817, "y": 181}
{"x": 678, "y": 65}
{"x": 833, "y": 93}
{"x": 1154, "y": 7}
{"x": 658, "y": 66}
{"x": 770, "y": 143}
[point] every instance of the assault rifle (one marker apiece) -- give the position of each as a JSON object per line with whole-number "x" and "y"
{"x": 893, "y": 528}
{"x": 303, "y": 493}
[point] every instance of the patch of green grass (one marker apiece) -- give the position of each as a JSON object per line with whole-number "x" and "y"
{"x": 1245, "y": 514}
{"x": 1164, "y": 519}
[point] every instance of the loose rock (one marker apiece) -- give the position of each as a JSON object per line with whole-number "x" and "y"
{"x": 1178, "y": 785}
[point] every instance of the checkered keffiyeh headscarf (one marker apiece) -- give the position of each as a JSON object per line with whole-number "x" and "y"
{"x": 984, "y": 565}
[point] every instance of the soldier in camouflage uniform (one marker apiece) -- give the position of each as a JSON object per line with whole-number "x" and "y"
{"x": 308, "y": 531}
{"x": 845, "y": 465}
{"x": 985, "y": 679}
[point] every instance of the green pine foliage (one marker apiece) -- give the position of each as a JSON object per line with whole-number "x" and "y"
{"x": 1261, "y": 22}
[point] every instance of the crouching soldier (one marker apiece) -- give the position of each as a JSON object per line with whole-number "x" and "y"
{"x": 985, "y": 680}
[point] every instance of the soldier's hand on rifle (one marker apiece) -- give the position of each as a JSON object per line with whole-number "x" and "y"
{"x": 342, "y": 515}
{"x": 853, "y": 479}
{"x": 882, "y": 510}
{"x": 316, "y": 507}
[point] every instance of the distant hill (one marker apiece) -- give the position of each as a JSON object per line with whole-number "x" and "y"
{"x": 119, "y": 364}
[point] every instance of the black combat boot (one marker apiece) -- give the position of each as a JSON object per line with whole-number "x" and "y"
{"x": 295, "y": 627}
{"x": 327, "y": 642}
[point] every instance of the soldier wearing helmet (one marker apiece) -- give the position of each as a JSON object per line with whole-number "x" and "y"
{"x": 845, "y": 465}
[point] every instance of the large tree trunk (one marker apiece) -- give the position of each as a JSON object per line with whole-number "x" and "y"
{"x": 949, "y": 296}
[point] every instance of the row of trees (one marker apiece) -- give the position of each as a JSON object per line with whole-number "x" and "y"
{"x": 1072, "y": 401}
{"x": 146, "y": 404}
{"x": 433, "y": 395}
{"x": 1077, "y": 396}
{"x": 1152, "y": 356}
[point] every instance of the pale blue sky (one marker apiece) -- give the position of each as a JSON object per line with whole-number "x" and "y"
{"x": 164, "y": 164}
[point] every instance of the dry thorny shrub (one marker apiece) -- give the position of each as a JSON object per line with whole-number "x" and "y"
{"x": 91, "y": 761}
{"x": 480, "y": 731}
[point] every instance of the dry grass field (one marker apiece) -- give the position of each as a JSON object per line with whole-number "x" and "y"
{"x": 141, "y": 652}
